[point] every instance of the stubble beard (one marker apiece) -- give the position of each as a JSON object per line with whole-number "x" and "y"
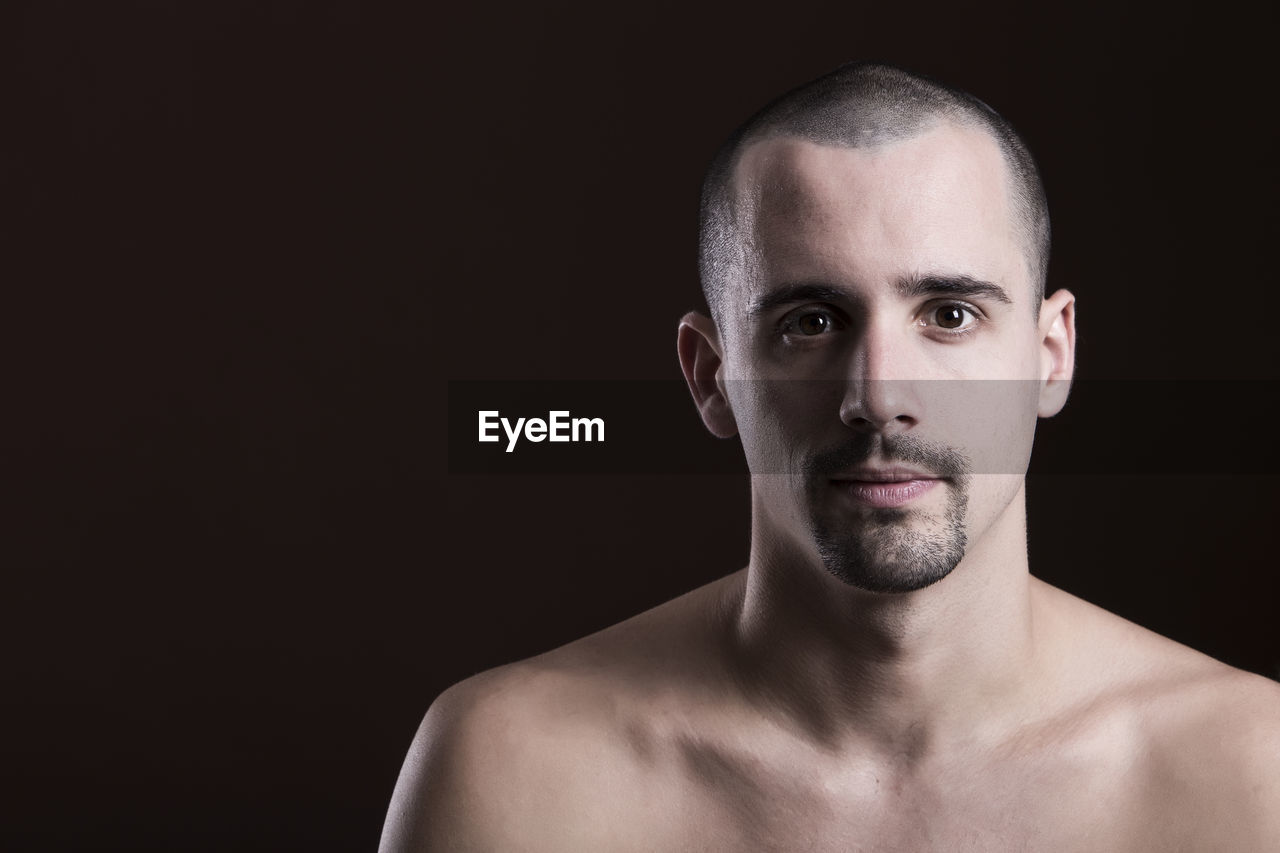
{"x": 884, "y": 551}
{"x": 889, "y": 550}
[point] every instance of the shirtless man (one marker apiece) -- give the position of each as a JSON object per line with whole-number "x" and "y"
{"x": 885, "y": 674}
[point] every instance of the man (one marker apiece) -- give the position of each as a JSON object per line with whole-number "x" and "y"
{"x": 885, "y": 674}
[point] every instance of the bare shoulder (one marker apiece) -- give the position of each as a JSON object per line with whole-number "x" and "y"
{"x": 1202, "y": 737}
{"x": 1214, "y": 760}
{"x": 490, "y": 762}
{"x": 542, "y": 754}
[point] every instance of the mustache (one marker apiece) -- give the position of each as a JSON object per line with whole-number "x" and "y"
{"x": 938, "y": 459}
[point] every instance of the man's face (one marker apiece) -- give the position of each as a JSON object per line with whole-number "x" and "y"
{"x": 883, "y": 353}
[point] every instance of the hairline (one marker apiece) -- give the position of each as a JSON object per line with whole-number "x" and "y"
{"x": 887, "y": 105}
{"x": 733, "y": 198}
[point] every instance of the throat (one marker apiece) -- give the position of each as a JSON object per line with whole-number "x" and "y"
{"x": 910, "y": 673}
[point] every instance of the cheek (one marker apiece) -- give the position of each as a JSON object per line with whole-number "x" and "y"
{"x": 753, "y": 416}
{"x": 991, "y": 421}
{"x": 989, "y": 495}
{"x": 779, "y": 420}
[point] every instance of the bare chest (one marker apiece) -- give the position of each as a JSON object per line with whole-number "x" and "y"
{"x": 716, "y": 801}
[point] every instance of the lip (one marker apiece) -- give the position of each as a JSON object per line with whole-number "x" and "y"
{"x": 882, "y": 492}
{"x": 893, "y": 474}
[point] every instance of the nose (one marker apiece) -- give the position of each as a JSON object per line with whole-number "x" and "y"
{"x": 879, "y": 396}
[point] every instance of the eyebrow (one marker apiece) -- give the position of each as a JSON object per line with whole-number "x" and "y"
{"x": 951, "y": 285}
{"x": 792, "y": 293}
{"x": 914, "y": 286}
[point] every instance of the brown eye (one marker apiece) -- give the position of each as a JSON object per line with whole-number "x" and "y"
{"x": 953, "y": 317}
{"x": 813, "y": 324}
{"x": 949, "y": 316}
{"x": 810, "y": 321}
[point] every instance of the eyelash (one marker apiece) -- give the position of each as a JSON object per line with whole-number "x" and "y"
{"x": 977, "y": 315}
{"x": 787, "y": 324}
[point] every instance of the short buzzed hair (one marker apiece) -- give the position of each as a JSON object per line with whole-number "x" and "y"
{"x": 858, "y": 105}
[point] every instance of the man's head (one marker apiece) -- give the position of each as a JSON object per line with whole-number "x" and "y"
{"x": 875, "y": 268}
{"x": 861, "y": 105}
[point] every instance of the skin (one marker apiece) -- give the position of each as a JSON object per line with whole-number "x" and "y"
{"x": 781, "y": 707}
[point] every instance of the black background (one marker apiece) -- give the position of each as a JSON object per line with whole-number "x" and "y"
{"x": 249, "y": 243}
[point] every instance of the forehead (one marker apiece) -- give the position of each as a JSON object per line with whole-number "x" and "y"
{"x": 935, "y": 202}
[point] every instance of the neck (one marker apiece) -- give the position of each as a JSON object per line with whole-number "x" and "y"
{"x": 908, "y": 673}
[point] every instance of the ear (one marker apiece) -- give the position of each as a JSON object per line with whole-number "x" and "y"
{"x": 702, "y": 360}
{"x": 1057, "y": 333}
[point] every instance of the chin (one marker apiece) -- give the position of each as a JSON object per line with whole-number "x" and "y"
{"x": 893, "y": 550}
{"x": 890, "y": 575}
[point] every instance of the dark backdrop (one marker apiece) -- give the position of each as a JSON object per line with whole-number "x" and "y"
{"x": 249, "y": 243}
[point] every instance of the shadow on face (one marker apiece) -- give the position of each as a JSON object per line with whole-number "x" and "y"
{"x": 884, "y": 318}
